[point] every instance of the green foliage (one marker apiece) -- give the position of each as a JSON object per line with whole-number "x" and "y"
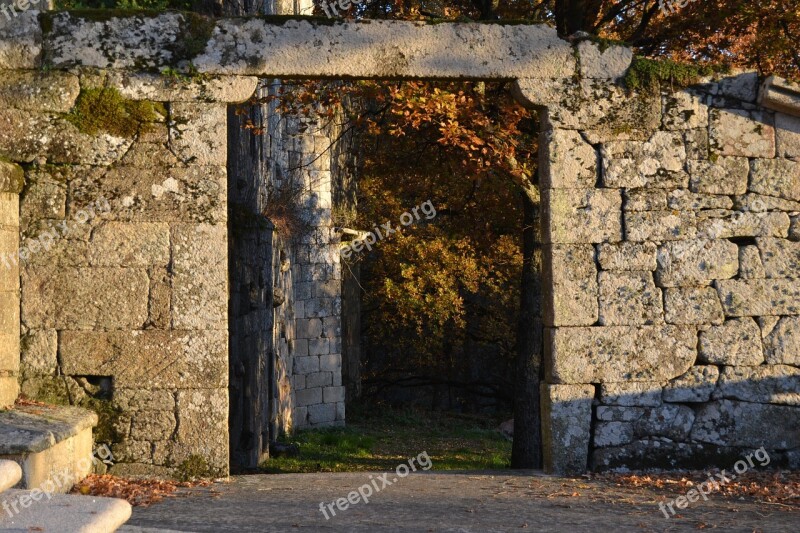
{"x": 379, "y": 438}
{"x": 649, "y": 75}
{"x": 105, "y": 110}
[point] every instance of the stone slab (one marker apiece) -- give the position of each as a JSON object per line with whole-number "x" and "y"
{"x": 32, "y": 429}
{"x": 759, "y": 297}
{"x": 566, "y": 421}
{"x": 10, "y": 474}
{"x": 58, "y": 513}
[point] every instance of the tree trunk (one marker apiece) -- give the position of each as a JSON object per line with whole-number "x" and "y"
{"x": 527, "y": 448}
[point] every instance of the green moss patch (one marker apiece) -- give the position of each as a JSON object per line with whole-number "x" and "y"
{"x": 649, "y": 75}
{"x": 105, "y": 110}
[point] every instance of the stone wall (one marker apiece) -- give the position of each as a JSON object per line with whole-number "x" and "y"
{"x": 672, "y": 255}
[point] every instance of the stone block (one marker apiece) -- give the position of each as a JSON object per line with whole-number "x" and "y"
{"x": 696, "y": 143}
{"x": 318, "y": 379}
{"x": 782, "y": 343}
{"x": 9, "y": 390}
{"x": 750, "y": 265}
{"x": 306, "y": 365}
{"x": 736, "y": 342}
{"x": 781, "y": 257}
{"x": 299, "y": 417}
{"x": 307, "y": 397}
{"x": 151, "y": 154}
{"x": 43, "y": 198}
{"x": 144, "y": 399}
{"x": 310, "y": 328}
{"x": 203, "y": 428}
{"x": 759, "y": 297}
{"x": 692, "y": 305}
{"x": 794, "y": 229}
{"x": 627, "y": 256}
{"x": 9, "y": 263}
{"x": 739, "y": 85}
{"x": 130, "y": 244}
{"x": 9, "y": 210}
{"x": 660, "y": 226}
{"x": 200, "y": 301}
{"x": 159, "y": 305}
{"x": 634, "y": 394}
{"x": 159, "y": 88}
{"x": 148, "y": 359}
{"x": 567, "y": 161}
{"x": 330, "y": 363}
{"x": 619, "y": 353}
{"x": 671, "y": 421}
{"x": 629, "y": 299}
{"x": 656, "y": 163}
{"x": 695, "y": 386}
{"x": 199, "y": 132}
{"x": 333, "y": 394}
{"x": 176, "y": 194}
{"x": 745, "y": 424}
{"x": 722, "y": 224}
{"x": 775, "y": 384}
{"x": 22, "y": 42}
{"x": 737, "y": 132}
{"x": 608, "y": 63}
{"x": 12, "y": 177}
{"x": 582, "y": 215}
{"x": 758, "y": 203}
{"x": 614, "y": 413}
{"x": 49, "y": 92}
{"x": 645, "y": 199}
{"x": 9, "y": 313}
{"x": 787, "y": 132}
{"x": 152, "y": 425}
{"x": 612, "y": 434}
{"x": 723, "y": 175}
{"x": 39, "y": 352}
{"x": 776, "y": 177}
{"x": 84, "y": 298}
{"x": 780, "y": 94}
{"x": 696, "y": 262}
{"x": 684, "y": 200}
{"x": 566, "y": 424}
{"x": 340, "y": 411}
{"x": 321, "y": 414}
{"x": 684, "y": 111}
{"x": 571, "y": 275}
{"x": 318, "y": 346}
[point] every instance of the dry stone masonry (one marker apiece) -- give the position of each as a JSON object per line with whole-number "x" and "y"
{"x": 671, "y": 224}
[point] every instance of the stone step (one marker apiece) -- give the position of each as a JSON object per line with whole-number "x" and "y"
{"x": 52, "y": 444}
{"x": 60, "y": 513}
{"x": 10, "y": 474}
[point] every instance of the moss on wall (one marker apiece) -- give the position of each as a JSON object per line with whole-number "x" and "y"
{"x": 649, "y": 75}
{"x": 105, "y": 110}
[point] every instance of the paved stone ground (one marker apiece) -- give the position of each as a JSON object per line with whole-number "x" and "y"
{"x": 452, "y": 502}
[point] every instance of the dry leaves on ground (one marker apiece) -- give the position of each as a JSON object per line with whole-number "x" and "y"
{"x": 138, "y": 492}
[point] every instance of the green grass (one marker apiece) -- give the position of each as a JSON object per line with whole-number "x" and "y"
{"x": 380, "y": 439}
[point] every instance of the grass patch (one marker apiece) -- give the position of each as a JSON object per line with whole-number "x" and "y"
{"x": 379, "y": 438}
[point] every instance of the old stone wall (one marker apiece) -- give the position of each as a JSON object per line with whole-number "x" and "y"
{"x": 672, "y": 255}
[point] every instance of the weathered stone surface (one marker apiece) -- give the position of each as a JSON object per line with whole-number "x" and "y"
{"x": 725, "y": 175}
{"x": 629, "y": 299}
{"x": 684, "y": 111}
{"x": 692, "y": 305}
{"x": 43, "y": 198}
{"x": 9, "y": 269}
{"x": 150, "y": 155}
{"x": 670, "y": 421}
{"x": 733, "y": 423}
{"x": 608, "y": 63}
{"x": 794, "y": 229}
{"x": 31, "y": 429}
{"x": 199, "y": 132}
{"x": 21, "y": 42}
{"x": 683, "y": 200}
{"x": 144, "y": 399}
{"x": 660, "y": 454}
{"x": 9, "y": 319}
{"x": 657, "y": 163}
{"x": 200, "y": 302}
{"x": 152, "y": 425}
{"x": 776, "y": 177}
{"x": 645, "y": 199}
{"x": 159, "y": 88}
{"x": 571, "y": 275}
{"x": 582, "y": 215}
{"x": 612, "y": 434}
{"x": 777, "y": 384}
{"x": 39, "y": 91}
{"x": 567, "y": 161}
{"x": 737, "y": 132}
{"x": 39, "y": 352}
{"x": 619, "y": 353}
{"x": 627, "y": 256}
{"x": 782, "y": 343}
{"x": 635, "y": 394}
{"x": 696, "y": 143}
{"x": 696, "y": 262}
{"x": 566, "y": 422}
{"x": 12, "y": 177}
{"x": 203, "y": 428}
{"x": 787, "y": 131}
{"x": 759, "y": 203}
{"x": 323, "y": 414}
{"x": 660, "y": 226}
{"x": 193, "y": 194}
{"x": 695, "y": 386}
{"x": 148, "y": 359}
{"x": 84, "y": 298}
{"x": 739, "y": 85}
{"x": 780, "y": 94}
{"x": 736, "y": 342}
{"x": 750, "y": 265}
{"x": 759, "y": 297}
{"x": 130, "y": 245}
{"x": 614, "y": 413}
{"x": 781, "y": 257}
{"x": 723, "y": 224}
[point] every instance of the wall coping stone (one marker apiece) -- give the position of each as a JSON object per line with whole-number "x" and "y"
{"x": 780, "y": 94}
{"x": 34, "y": 428}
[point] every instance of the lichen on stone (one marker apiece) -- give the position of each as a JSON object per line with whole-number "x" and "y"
{"x": 649, "y": 75}
{"x": 105, "y": 110}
